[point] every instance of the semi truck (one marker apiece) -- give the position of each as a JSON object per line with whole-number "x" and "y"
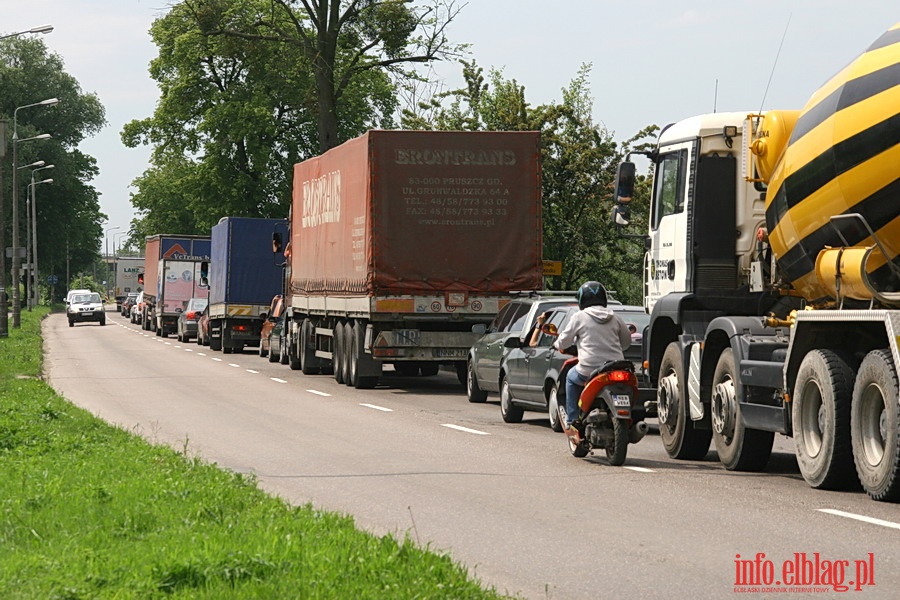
{"x": 401, "y": 242}
{"x": 242, "y": 279}
{"x": 772, "y": 279}
{"x": 171, "y": 278}
{"x": 128, "y": 268}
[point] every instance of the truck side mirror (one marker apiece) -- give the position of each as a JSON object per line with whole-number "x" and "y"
{"x": 625, "y": 175}
{"x": 204, "y": 274}
{"x": 276, "y": 242}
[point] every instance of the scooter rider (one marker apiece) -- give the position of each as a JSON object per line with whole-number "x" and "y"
{"x": 599, "y": 336}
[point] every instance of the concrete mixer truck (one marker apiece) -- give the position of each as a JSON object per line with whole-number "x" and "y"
{"x": 772, "y": 277}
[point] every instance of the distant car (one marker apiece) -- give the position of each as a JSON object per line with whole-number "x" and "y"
{"x": 85, "y": 307}
{"x": 203, "y": 327}
{"x": 516, "y": 318}
{"x": 137, "y": 308}
{"x": 75, "y": 292}
{"x": 186, "y": 326}
{"x": 127, "y": 303}
{"x": 276, "y": 308}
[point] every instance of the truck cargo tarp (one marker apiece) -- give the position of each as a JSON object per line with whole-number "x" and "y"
{"x": 406, "y": 212}
{"x": 243, "y": 268}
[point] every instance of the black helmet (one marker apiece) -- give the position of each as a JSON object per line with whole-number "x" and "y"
{"x": 591, "y": 293}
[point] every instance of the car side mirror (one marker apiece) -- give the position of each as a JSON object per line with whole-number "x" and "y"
{"x": 479, "y": 329}
{"x": 512, "y": 342}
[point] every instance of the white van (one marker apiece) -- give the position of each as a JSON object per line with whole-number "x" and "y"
{"x": 74, "y": 292}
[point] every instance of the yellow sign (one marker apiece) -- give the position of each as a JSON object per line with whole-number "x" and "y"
{"x": 552, "y": 267}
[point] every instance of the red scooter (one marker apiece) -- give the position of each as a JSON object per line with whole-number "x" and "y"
{"x": 607, "y": 409}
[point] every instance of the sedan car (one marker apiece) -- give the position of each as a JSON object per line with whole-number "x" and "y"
{"x": 203, "y": 327}
{"x": 127, "y": 303}
{"x": 186, "y": 326}
{"x": 136, "y": 310}
{"x": 85, "y": 307}
{"x": 516, "y": 318}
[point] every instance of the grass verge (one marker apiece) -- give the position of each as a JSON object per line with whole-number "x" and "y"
{"x": 88, "y": 510}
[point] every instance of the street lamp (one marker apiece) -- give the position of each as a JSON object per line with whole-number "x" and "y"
{"x": 38, "y": 29}
{"x": 107, "y": 257}
{"x": 34, "y": 296}
{"x": 16, "y": 311}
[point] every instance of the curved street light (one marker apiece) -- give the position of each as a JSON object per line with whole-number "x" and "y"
{"x": 32, "y": 291}
{"x": 16, "y": 309}
{"x": 38, "y": 29}
{"x": 107, "y": 257}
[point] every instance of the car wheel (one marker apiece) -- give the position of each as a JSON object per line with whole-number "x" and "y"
{"x": 71, "y": 323}
{"x": 474, "y": 393}
{"x": 272, "y": 356}
{"x": 103, "y": 321}
{"x": 553, "y": 407}
{"x": 509, "y": 411}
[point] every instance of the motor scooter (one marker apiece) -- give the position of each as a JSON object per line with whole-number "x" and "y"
{"x": 607, "y": 410}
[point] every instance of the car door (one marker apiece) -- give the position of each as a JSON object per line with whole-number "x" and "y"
{"x": 541, "y": 357}
{"x": 489, "y": 351}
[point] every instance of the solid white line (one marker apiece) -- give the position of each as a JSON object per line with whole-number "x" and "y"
{"x": 234, "y": 365}
{"x": 252, "y": 371}
{"x": 217, "y": 359}
{"x": 381, "y": 408}
{"x": 640, "y": 469}
{"x": 318, "y": 393}
{"x": 275, "y": 379}
{"x": 465, "y": 429}
{"x": 863, "y": 518}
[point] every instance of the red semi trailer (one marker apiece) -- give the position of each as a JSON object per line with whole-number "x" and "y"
{"x": 402, "y": 241}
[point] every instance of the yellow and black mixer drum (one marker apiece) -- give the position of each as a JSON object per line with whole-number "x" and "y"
{"x": 843, "y": 157}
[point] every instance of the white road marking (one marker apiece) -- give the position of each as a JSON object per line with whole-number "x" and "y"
{"x": 168, "y": 343}
{"x": 188, "y": 350}
{"x": 381, "y": 408}
{"x": 234, "y": 365}
{"x": 464, "y": 429}
{"x": 217, "y": 359}
{"x": 252, "y": 371}
{"x": 276, "y": 380}
{"x": 863, "y": 518}
{"x": 318, "y": 393}
{"x": 201, "y": 354}
{"x": 640, "y": 469}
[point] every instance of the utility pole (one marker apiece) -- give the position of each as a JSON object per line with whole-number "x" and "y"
{"x": 4, "y": 303}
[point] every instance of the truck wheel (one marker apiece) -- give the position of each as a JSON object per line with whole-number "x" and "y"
{"x": 360, "y": 382}
{"x": 353, "y": 348}
{"x": 509, "y": 412}
{"x": 679, "y": 436}
{"x": 158, "y": 331}
{"x": 337, "y": 357}
{"x": 227, "y": 349}
{"x": 739, "y": 448}
{"x": 348, "y": 352}
{"x": 307, "y": 354}
{"x": 284, "y": 357}
{"x": 820, "y": 413}
{"x": 875, "y": 426}
{"x": 473, "y": 392}
{"x": 553, "y": 407}
{"x": 215, "y": 344}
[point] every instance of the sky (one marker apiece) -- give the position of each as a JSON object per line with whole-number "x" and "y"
{"x": 653, "y": 62}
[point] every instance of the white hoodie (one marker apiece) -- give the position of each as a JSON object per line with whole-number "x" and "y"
{"x": 599, "y": 334}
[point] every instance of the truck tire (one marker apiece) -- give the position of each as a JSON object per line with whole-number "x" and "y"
{"x": 739, "y": 448}
{"x": 679, "y": 436}
{"x": 307, "y": 352}
{"x": 820, "y": 412}
{"x": 875, "y": 426}
{"x": 337, "y": 356}
{"x": 509, "y": 412}
{"x": 474, "y": 393}
{"x": 348, "y": 352}
{"x": 360, "y": 382}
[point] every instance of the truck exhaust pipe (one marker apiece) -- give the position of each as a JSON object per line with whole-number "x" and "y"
{"x": 637, "y": 432}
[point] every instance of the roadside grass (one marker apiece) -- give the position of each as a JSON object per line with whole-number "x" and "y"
{"x": 88, "y": 510}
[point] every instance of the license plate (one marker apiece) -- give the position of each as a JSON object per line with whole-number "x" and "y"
{"x": 621, "y": 400}
{"x": 406, "y": 337}
{"x": 450, "y": 352}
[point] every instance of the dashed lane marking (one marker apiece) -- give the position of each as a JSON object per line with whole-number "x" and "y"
{"x": 318, "y": 393}
{"x": 201, "y": 354}
{"x": 276, "y": 380}
{"x": 217, "y": 359}
{"x": 252, "y": 371}
{"x": 381, "y": 408}
{"x": 863, "y": 518}
{"x": 640, "y": 469}
{"x": 234, "y": 365}
{"x": 464, "y": 429}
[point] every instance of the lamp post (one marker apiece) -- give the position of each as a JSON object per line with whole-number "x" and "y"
{"x": 33, "y": 259}
{"x": 107, "y": 257}
{"x": 16, "y": 311}
{"x": 16, "y": 249}
{"x": 38, "y": 29}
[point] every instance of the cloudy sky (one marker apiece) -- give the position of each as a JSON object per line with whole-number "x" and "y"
{"x": 653, "y": 61}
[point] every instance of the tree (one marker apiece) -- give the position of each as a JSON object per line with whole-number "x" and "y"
{"x": 69, "y": 221}
{"x": 579, "y": 160}
{"x": 235, "y": 114}
{"x": 344, "y": 40}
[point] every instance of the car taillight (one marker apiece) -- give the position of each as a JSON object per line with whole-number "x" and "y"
{"x": 191, "y": 316}
{"x": 240, "y": 328}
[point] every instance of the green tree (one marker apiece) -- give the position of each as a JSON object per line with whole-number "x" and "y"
{"x": 579, "y": 160}
{"x": 235, "y": 114}
{"x": 343, "y": 41}
{"x": 69, "y": 221}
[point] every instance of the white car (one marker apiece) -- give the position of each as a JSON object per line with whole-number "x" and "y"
{"x": 85, "y": 307}
{"x": 73, "y": 292}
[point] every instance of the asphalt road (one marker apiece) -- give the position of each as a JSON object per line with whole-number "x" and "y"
{"x": 414, "y": 458}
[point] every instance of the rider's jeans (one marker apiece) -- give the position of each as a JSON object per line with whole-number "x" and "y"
{"x": 574, "y": 385}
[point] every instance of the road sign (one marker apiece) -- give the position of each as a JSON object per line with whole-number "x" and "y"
{"x": 52, "y": 279}
{"x": 552, "y": 267}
